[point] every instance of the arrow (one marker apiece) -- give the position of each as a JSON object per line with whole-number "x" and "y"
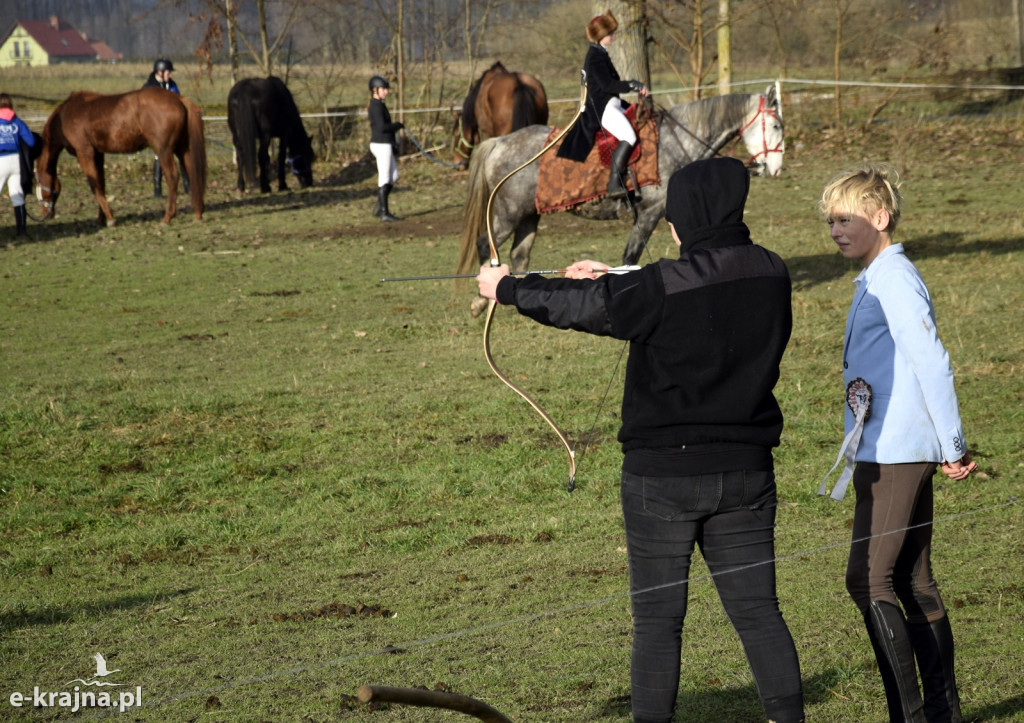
{"x": 612, "y": 270}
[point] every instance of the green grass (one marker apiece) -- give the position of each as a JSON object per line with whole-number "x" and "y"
{"x": 215, "y": 436}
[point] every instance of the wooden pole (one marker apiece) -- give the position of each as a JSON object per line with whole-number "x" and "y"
{"x": 431, "y": 699}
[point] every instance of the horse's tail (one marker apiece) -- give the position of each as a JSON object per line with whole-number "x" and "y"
{"x": 474, "y": 213}
{"x": 524, "y": 105}
{"x": 245, "y": 127}
{"x": 195, "y": 161}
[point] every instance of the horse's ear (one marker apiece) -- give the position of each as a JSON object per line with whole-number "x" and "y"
{"x": 773, "y": 97}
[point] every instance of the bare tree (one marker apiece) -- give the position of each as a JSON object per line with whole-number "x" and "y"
{"x": 724, "y": 47}
{"x": 629, "y": 51}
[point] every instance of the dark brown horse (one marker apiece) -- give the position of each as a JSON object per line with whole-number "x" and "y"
{"x": 500, "y": 101}
{"x": 89, "y": 125}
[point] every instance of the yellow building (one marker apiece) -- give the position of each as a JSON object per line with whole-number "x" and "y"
{"x": 44, "y": 42}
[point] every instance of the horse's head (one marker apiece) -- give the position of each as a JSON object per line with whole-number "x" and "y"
{"x": 464, "y": 140}
{"x": 46, "y": 181}
{"x": 301, "y": 162}
{"x": 47, "y": 191}
{"x": 763, "y": 135}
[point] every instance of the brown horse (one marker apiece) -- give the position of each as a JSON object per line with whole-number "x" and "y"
{"x": 500, "y": 101}
{"x": 89, "y": 125}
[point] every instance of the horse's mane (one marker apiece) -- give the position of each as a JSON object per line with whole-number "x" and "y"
{"x": 705, "y": 116}
{"x": 469, "y": 105}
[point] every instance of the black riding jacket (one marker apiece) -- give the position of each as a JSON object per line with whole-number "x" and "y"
{"x": 382, "y": 130}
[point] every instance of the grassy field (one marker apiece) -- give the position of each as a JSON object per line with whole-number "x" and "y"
{"x": 254, "y": 478}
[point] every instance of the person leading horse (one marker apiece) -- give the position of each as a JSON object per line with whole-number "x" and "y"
{"x": 604, "y": 107}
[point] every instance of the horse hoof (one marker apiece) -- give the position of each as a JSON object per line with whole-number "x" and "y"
{"x": 478, "y": 306}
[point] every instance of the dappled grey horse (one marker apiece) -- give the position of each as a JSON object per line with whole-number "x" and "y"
{"x": 687, "y": 133}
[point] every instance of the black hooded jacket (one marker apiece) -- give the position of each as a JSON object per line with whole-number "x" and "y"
{"x": 706, "y": 331}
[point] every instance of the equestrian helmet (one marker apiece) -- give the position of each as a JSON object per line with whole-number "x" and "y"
{"x": 162, "y": 64}
{"x": 379, "y": 81}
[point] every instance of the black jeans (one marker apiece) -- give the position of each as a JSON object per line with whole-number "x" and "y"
{"x": 731, "y": 516}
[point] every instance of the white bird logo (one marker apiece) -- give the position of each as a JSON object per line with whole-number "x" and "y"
{"x": 101, "y": 672}
{"x": 101, "y": 667}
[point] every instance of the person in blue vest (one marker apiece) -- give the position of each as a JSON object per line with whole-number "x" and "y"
{"x": 161, "y": 78}
{"x": 604, "y": 107}
{"x": 13, "y": 132}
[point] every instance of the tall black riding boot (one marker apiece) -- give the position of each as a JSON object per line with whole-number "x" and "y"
{"x": 158, "y": 178}
{"x": 382, "y": 194}
{"x": 20, "y": 223}
{"x": 933, "y": 645}
{"x": 887, "y": 631}
{"x": 376, "y": 205}
{"x": 616, "y": 185}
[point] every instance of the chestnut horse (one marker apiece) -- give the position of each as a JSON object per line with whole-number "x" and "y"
{"x": 500, "y": 101}
{"x": 89, "y": 125}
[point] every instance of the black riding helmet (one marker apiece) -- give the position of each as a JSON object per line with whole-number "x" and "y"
{"x": 162, "y": 64}
{"x": 379, "y": 81}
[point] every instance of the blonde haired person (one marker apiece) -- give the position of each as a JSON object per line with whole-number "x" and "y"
{"x": 604, "y": 107}
{"x": 899, "y": 378}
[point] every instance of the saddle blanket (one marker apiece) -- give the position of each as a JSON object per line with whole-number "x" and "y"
{"x": 562, "y": 184}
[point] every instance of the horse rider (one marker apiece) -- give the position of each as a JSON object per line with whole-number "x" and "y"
{"x": 161, "y": 78}
{"x": 13, "y": 131}
{"x": 604, "y": 107}
{"x": 383, "y": 145}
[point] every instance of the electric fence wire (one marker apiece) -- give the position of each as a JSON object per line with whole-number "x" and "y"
{"x": 559, "y": 611}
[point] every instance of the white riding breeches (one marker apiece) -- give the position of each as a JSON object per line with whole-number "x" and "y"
{"x": 10, "y": 173}
{"x": 615, "y": 122}
{"x": 387, "y": 168}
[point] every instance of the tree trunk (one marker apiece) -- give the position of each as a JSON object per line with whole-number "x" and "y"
{"x": 629, "y": 50}
{"x": 724, "y": 48}
{"x": 835, "y": 64}
{"x": 264, "y": 44}
{"x": 232, "y": 40}
{"x": 400, "y": 60}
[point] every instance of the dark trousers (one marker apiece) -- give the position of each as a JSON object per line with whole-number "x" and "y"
{"x": 731, "y": 517}
{"x": 890, "y": 558}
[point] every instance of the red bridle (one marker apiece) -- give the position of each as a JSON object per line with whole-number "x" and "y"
{"x": 763, "y": 113}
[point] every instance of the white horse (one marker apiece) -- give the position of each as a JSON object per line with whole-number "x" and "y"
{"x": 686, "y": 133}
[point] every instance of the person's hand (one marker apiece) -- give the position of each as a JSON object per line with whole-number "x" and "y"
{"x": 585, "y": 269}
{"x": 960, "y": 469}
{"x": 488, "y": 278}
{"x": 637, "y": 86}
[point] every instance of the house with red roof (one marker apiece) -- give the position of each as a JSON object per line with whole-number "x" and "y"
{"x": 47, "y": 42}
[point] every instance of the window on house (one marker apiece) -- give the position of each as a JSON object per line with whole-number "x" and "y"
{"x": 27, "y": 53}
{"x": 17, "y": 49}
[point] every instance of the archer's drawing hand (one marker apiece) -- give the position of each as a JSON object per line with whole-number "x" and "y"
{"x": 586, "y": 269}
{"x": 488, "y": 278}
{"x": 960, "y": 469}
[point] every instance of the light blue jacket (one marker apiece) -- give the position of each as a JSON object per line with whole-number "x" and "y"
{"x": 891, "y": 343}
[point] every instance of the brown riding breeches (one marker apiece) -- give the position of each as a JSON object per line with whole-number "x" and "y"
{"x": 890, "y": 558}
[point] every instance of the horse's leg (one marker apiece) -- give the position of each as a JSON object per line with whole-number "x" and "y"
{"x": 526, "y": 234}
{"x": 91, "y": 164}
{"x": 282, "y": 152}
{"x": 263, "y": 156}
{"x": 171, "y": 176}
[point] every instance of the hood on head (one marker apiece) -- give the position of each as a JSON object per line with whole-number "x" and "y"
{"x": 704, "y": 196}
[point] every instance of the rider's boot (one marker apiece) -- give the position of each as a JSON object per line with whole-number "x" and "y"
{"x": 887, "y": 631}
{"x": 616, "y": 186}
{"x": 382, "y": 194}
{"x": 158, "y": 178}
{"x": 20, "y": 223}
{"x": 933, "y": 646}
